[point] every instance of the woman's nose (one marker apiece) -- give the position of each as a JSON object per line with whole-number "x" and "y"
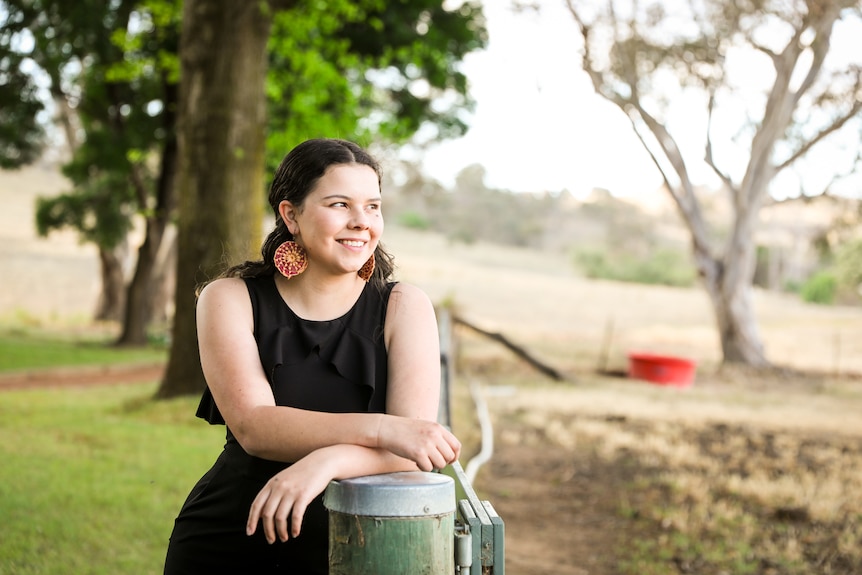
{"x": 359, "y": 219}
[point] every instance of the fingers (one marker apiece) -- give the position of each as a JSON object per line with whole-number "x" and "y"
{"x": 296, "y": 519}
{"x": 268, "y": 513}
{"x": 254, "y": 512}
{"x": 271, "y": 508}
{"x": 437, "y": 448}
{"x": 446, "y": 449}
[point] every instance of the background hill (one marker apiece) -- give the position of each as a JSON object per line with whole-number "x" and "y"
{"x": 534, "y": 296}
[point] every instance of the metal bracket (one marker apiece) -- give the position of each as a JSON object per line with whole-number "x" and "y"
{"x": 485, "y": 528}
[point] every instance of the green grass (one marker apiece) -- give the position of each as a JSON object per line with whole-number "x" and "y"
{"x": 22, "y": 350}
{"x": 92, "y": 478}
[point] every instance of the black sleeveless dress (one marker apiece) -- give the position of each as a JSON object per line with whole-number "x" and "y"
{"x": 337, "y": 366}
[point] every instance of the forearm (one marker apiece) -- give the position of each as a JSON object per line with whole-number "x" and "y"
{"x": 349, "y": 461}
{"x": 288, "y": 434}
{"x": 289, "y": 492}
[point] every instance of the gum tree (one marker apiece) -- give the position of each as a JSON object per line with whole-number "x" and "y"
{"x": 637, "y": 54}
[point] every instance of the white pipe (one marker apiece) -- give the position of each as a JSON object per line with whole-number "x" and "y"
{"x": 487, "y": 430}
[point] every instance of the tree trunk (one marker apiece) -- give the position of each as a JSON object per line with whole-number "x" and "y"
{"x": 164, "y": 279}
{"x": 728, "y": 281}
{"x": 143, "y": 289}
{"x": 112, "y": 295}
{"x": 737, "y": 323}
{"x": 221, "y": 137}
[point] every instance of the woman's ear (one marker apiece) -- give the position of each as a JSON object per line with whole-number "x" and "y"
{"x": 288, "y": 212}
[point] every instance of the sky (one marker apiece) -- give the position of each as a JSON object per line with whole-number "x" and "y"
{"x": 538, "y": 124}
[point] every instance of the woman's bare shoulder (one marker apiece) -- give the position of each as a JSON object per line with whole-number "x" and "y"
{"x": 407, "y": 303}
{"x": 409, "y": 294}
{"x": 222, "y": 291}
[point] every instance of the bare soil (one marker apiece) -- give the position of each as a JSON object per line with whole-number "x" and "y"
{"x": 576, "y": 511}
{"x": 587, "y": 471}
{"x": 82, "y": 377}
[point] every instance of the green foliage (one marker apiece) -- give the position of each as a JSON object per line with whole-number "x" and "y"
{"x": 308, "y": 92}
{"x": 368, "y": 71}
{"x": 92, "y": 478}
{"x": 109, "y": 59}
{"x": 848, "y": 266}
{"x": 21, "y": 134}
{"x": 98, "y": 208}
{"x": 792, "y": 286}
{"x": 150, "y": 47}
{"x": 414, "y": 221}
{"x": 419, "y": 44}
{"x": 841, "y": 281}
{"x": 661, "y": 267}
{"x": 820, "y": 288}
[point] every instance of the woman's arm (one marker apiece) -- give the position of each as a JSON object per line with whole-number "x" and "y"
{"x": 413, "y": 392}
{"x": 286, "y": 496}
{"x": 232, "y": 368}
{"x": 412, "y": 399}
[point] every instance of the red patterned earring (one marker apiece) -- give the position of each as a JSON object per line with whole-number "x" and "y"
{"x": 367, "y": 269}
{"x": 290, "y": 259}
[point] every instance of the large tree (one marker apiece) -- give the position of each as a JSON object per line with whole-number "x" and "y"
{"x": 112, "y": 71}
{"x": 321, "y": 83}
{"x": 221, "y": 129}
{"x": 633, "y": 51}
{"x": 111, "y": 82}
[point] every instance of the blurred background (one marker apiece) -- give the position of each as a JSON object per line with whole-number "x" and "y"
{"x": 580, "y": 181}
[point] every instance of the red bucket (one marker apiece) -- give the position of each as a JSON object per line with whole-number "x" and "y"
{"x": 662, "y": 369}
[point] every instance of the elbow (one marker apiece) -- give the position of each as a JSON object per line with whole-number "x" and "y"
{"x": 247, "y": 442}
{"x": 251, "y": 447}
{"x": 250, "y": 439}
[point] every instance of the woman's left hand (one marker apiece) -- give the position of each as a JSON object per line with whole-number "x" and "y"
{"x": 287, "y": 495}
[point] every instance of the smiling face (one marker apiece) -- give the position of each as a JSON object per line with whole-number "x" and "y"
{"x": 340, "y": 222}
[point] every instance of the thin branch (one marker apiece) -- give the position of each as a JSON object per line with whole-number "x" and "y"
{"x": 517, "y": 350}
{"x": 586, "y": 60}
{"x": 708, "y": 157}
{"x": 820, "y": 47}
{"x": 837, "y": 125}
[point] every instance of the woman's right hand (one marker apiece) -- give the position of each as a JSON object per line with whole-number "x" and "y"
{"x": 281, "y": 503}
{"x": 426, "y": 443}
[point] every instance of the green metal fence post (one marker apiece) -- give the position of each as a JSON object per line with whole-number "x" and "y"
{"x": 392, "y": 524}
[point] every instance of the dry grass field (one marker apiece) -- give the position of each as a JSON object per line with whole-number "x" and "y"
{"x": 740, "y": 473}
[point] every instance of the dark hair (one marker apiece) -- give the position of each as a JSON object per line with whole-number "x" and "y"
{"x": 294, "y": 180}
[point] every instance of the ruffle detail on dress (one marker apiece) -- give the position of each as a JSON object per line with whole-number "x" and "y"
{"x": 350, "y": 353}
{"x": 352, "y": 345}
{"x": 207, "y": 409}
{"x": 354, "y": 356}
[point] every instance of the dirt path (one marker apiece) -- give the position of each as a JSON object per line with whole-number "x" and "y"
{"x": 580, "y": 474}
{"x": 560, "y": 510}
{"x": 82, "y": 376}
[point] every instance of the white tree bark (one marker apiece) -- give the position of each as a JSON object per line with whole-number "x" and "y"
{"x": 726, "y": 270}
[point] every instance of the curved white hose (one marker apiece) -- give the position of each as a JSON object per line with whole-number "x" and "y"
{"x": 487, "y": 430}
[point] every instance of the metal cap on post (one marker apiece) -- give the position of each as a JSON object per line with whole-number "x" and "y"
{"x": 391, "y": 524}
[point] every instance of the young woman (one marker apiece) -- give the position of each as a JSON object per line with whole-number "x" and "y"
{"x": 320, "y": 366}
